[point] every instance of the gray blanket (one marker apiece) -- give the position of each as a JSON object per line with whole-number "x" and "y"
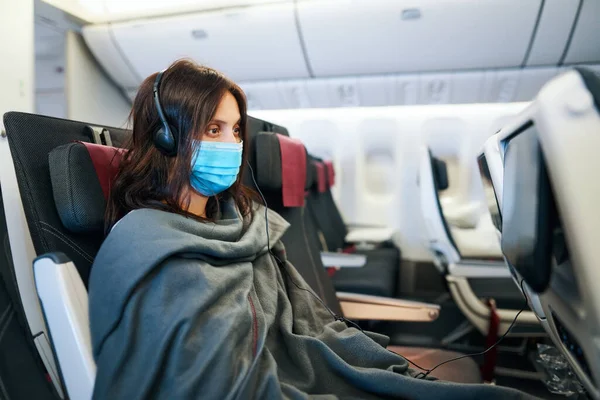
{"x": 187, "y": 310}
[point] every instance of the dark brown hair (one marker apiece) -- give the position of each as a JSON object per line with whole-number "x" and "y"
{"x": 189, "y": 96}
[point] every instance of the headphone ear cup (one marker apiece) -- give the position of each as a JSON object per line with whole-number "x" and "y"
{"x": 165, "y": 141}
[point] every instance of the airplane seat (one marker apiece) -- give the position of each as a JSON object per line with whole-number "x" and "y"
{"x": 58, "y": 281}
{"x": 63, "y": 206}
{"x": 477, "y": 276}
{"x": 379, "y": 276}
{"x": 278, "y": 163}
{"x": 37, "y": 230}
{"x": 543, "y": 167}
{"x": 27, "y": 378}
{"x": 481, "y": 242}
{"x": 433, "y": 177}
{"x": 31, "y": 141}
{"x": 283, "y": 185}
{"x": 80, "y": 174}
{"x": 469, "y": 229}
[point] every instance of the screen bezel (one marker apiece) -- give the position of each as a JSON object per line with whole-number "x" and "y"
{"x": 484, "y": 172}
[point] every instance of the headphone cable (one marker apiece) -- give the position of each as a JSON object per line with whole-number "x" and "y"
{"x": 284, "y": 269}
{"x": 336, "y": 317}
{"x": 430, "y": 370}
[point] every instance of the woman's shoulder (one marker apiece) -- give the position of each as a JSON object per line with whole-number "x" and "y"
{"x": 138, "y": 229}
{"x": 137, "y": 219}
{"x": 139, "y": 241}
{"x": 119, "y": 221}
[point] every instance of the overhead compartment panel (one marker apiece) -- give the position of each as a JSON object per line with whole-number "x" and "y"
{"x": 347, "y": 37}
{"x": 253, "y": 43}
{"x": 585, "y": 46}
{"x": 121, "y": 10}
{"x": 552, "y": 34}
{"x": 99, "y": 40}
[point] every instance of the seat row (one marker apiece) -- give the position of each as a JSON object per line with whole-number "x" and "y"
{"x": 63, "y": 171}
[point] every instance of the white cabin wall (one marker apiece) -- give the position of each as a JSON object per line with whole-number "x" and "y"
{"x": 16, "y": 49}
{"x": 50, "y": 85}
{"x": 375, "y": 152}
{"x": 51, "y": 25}
{"x": 90, "y": 94}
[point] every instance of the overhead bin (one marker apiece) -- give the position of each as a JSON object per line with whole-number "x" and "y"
{"x": 585, "y": 46}
{"x": 99, "y": 40}
{"x": 247, "y": 44}
{"x": 347, "y": 37}
{"x": 101, "y": 11}
{"x": 552, "y": 34}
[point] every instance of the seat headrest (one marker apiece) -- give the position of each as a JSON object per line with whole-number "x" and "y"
{"x": 330, "y": 173}
{"x": 324, "y": 174}
{"x": 279, "y": 129}
{"x": 281, "y": 165}
{"x": 81, "y": 175}
{"x": 440, "y": 173}
{"x": 320, "y": 175}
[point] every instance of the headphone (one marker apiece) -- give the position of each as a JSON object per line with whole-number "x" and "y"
{"x": 163, "y": 138}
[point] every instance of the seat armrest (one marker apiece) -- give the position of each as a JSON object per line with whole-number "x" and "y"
{"x": 480, "y": 269}
{"x": 343, "y": 260}
{"x": 369, "y": 235}
{"x": 363, "y": 226}
{"x": 366, "y": 307}
{"x": 64, "y": 302}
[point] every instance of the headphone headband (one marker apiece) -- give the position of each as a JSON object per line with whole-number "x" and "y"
{"x": 164, "y": 140}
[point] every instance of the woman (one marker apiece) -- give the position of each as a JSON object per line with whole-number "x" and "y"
{"x": 187, "y": 299}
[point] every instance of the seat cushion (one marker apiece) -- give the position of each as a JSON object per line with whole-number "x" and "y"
{"x": 378, "y": 277}
{"x": 464, "y": 370}
{"x": 481, "y": 242}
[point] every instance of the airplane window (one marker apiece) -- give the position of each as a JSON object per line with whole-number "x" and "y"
{"x": 320, "y": 137}
{"x": 378, "y": 143}
{"x": 447, "y": 137}
{"x": 380, "y": 171}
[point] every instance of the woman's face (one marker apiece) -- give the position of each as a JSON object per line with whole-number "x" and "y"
{"x": 225, "y": 125}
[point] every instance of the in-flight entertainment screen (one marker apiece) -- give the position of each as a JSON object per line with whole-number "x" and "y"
{"x": 528, "y": 211}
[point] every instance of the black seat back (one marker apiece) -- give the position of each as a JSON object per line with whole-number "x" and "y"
{"x": 323, "y": 209}
{"x": 439, "y": 174}
{"x": 22, "y": 373}
{"x": 300, "y": 240}
{"x": 31, "y": 139}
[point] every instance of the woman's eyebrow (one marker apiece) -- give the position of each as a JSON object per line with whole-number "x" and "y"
{"x": 219, "y": 121}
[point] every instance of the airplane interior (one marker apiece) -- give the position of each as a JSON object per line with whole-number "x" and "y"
{"x": 435, "y": 161}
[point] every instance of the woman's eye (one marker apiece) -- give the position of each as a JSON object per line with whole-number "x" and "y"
{"x": 213, "y": 131}
{"x": 237, "y": 131}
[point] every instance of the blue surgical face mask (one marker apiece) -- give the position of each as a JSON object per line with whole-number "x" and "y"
{"x": 215, "y": 166}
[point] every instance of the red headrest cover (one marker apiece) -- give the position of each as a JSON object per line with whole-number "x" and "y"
{"x": 106, "y": 161}
{"x": 81, "y": 175}
{"x": 321, "y": 176}
{"x": 330, "y": 173}
{"x": 293, "y": 171}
